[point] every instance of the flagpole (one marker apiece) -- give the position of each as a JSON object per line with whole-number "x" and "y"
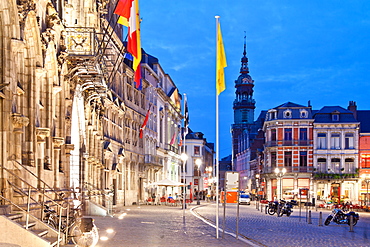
{"x": 217, "y": 145}
{"x": 105, "y": 32}
{"x": 183, "y": 168}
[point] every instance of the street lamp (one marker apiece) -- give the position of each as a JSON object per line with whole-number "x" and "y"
{"x": 366, "y": 178}
{"x": 257, "y": 184}
{"x": 198, "y": 163}
{"x": 279, "y": 174}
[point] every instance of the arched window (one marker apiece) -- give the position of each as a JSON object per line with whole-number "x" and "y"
{"x": 335, "y": 165}
{"x": 321, "y": 165}
{"x": 349, "y": 166}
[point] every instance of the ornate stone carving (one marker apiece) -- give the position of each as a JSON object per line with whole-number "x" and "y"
{"x": 41, "y": 133}
{"x": 58, "y": 141}
{"x": 24, "y": 7}
{"x": 19, "y": 121}
{"x": 69, "y": 148}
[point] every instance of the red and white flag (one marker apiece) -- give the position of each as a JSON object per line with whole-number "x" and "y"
{"x": 128, "y": 10}
{"x": 144, "y": 124}
{"x": 173, "y": 138}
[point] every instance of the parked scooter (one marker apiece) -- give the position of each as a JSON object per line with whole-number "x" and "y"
{"x": 338, "y": 216}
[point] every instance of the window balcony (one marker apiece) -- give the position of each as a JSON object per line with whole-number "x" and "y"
{"x": 271, "y": 169}
{"x": 271, "y": 143}
{"x": 320, "y": 175}
{"x": 153, "y": 160}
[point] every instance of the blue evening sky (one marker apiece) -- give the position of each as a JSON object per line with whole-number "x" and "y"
{"x": 298, "y": 51}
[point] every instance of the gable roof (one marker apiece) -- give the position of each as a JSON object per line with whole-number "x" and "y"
{"x": 290, "y": 104}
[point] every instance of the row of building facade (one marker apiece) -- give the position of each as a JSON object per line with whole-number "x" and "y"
{"x": 293, "y": 151}
{"x": 71, "y": 116}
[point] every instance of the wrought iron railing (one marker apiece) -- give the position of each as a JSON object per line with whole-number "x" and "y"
{"x": 28, "y": 190}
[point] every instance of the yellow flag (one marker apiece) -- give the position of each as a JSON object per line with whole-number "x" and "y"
{"x": 220, "y": 62}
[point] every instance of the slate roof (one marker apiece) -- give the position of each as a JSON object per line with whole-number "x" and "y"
{"x": 363, "y": 116}
{"x": 295, "y": 111}
{"x": 324, "y": 115}
{"x": 289, "y": 104}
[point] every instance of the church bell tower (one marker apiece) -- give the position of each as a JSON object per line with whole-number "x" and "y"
{"x": 244, "y": 104}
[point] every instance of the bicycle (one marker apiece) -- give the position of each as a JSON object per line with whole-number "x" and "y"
{"x": 81, "y": 230}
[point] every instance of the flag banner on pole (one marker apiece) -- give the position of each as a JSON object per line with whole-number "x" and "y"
{"x": 179, "y": 139}
{"x": 128, "y": 10}
{"x": 144, "y": 124}
{"x": 220, "y": 62}
{"x": 186, "y": 119}
{"x": 134, "y": 43}
{"x": 123, "y": 10}
{"x": 173, "y": 138}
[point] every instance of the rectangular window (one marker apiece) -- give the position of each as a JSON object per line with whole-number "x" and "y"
{"x": 303, "y": 134}
{"x": 303, "y": 158}
{"x": 273, "y": 159}
{"x": 321, "y": 165}
{"x": 273, "y": 135}
{"x": 366, "y": 162}
{"x": 288, "y": 134}
{"x": 196, "y": 150}
{"x": 288, "y": 158}
{"x": 321, "y": 141}
{"x": 161, "y": 130}
{"x": 348, "y": 141}
{"x": 288, "y": 137}
{"x": 335, "y": 165}
{"x": 335, "y": 141}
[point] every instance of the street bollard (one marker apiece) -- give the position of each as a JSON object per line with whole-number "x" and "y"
{"x": 351, "y": 223}
{"x": 261, "y": 208}
{"x": 309, "y": 217}
{"x": 278, "y": 211}
{"x": 266, "y": 207}
{"x": 320, "y": 219}
{"x": 257, "y": 206}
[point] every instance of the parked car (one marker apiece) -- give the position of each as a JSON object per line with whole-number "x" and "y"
{"x": 244, "y": 198}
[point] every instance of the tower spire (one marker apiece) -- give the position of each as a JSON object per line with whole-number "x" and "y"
{"x": 244, "y": 69}
{"x": 245, "y": 44}
{"x": 244, "y": 104}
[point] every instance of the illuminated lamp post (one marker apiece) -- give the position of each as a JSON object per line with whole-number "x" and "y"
{"x": 366, "y": 178}
{"x": 257, "y": 185}
{"x": 198, "y": 163}
{"x": 280, "y": 174}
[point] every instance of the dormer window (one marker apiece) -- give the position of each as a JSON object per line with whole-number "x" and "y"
{"x": 271, "y": 114}
{"x": 288, "y": 114}
{"x": 335, "y": 117}
{"x": 304, "y": 114}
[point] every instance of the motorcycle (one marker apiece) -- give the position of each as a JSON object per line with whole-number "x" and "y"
{"x": 285, "y": 207}
{"x": 272, "y": 207}
{"x": 338, "y": 216}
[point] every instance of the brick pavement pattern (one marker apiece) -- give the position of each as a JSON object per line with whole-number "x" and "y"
{"x": 267, "y": 230}
{"x": 164, "y": 226}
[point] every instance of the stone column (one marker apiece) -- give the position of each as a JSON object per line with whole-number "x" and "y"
{"x": 57, "y": 143}
{"x": 67, "y": 171}
{"x": 41, "y": 134}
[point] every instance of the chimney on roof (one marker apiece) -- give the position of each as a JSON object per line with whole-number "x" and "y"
{"x": 353, "y": 108}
